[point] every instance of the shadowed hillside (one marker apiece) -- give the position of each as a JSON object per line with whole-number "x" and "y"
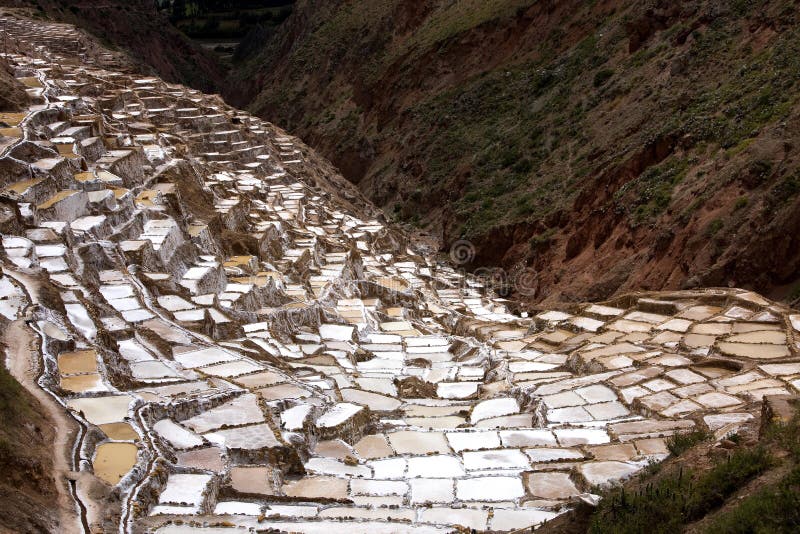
{"x": 137, "y": 28}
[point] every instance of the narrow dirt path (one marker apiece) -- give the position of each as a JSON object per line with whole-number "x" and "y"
{"x": 23, "y": 363}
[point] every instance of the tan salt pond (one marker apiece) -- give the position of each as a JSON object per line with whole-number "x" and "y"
{"x": 112, "y": 461}
{"x": 760, "y": 336}
{"x": 711, "y": 329}
{"x": 257, "y": 380}
{"x": 373, "y": 446}
{"x": 694, "y": 341}
{"x": 315, "y": 487}
{"x": 209, "y": 458}
{"x": 83, "y": 383}
{"x": 119, "y": 431}
{"x": 739, "y": 328}
{"x": 81, "y": 361}
{"x": 760, "y": 351}
{"x": 699, "y": 313}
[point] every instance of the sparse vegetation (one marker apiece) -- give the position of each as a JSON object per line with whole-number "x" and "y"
{"x": 774, "y": 509}
{"x": 675, "y": 498}
{"x": 540, "y": 241}
{"x": 681, "y": 442}
{"x": 714, "y": 227}
{"x": 602, "y": 77}
{"x": 648, "y": 196}
{"x": 787, "y": 188}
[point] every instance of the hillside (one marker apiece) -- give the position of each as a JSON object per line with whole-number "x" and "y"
{"x": 601, "y": 146}
{"x": 27, "y": 487}
{"x": 12, "y": 93}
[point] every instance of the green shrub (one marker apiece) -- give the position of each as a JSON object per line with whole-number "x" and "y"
{"x": 788, "y": 187}
{"x": 540, "y": 241}
{"x": 602, "y": 76}
{"x": 714, "y": 226}
{"x": 679, "y": 443}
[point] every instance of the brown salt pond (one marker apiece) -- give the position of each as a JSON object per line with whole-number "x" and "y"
{"x": 112, "y": 461}
{"x": 209, "y": 458}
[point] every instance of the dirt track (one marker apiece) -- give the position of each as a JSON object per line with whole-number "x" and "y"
{"x": 23, "y": 364}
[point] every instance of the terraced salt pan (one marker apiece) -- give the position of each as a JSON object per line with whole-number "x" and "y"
{"x": 374, "y": 401}
{"x": 248, "y": 437}
{"x": 758, "y": 351}
{"x": 80, "y": 319}
{"x": 427, "y": 490}
{"x": 13, "y": 299}
{"x": 231, "y": 369}
{"x": 204, "y": 357}
{"x": 460, "y": 441}
{"x": 415, "y": 442}
{"x": 494, "y": 408}
{"x": 331, "y": 466}
{"x": 184, "y": 489}
{"x": 489, "y": 489}
{"x": 603, "y": 473}
{"x": 102, "y": 410}
{"x": 83, "y": 383}
{"x": 527, "y": 438}
{"x": 338, "y": 414}
{"x": 495, "y": 459}
{"x": 294, "y": 418}
{"x": 83, "y": 361}
{"x": 152, "y": 370}
{"x": 178, "y": 436}
{"x": 336, "y": 332}
{"x": 551, "y": 485}
{"x": 242, "y": 410}
{"x": 435, "y": 466}
{"x": 238, "y": 508}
